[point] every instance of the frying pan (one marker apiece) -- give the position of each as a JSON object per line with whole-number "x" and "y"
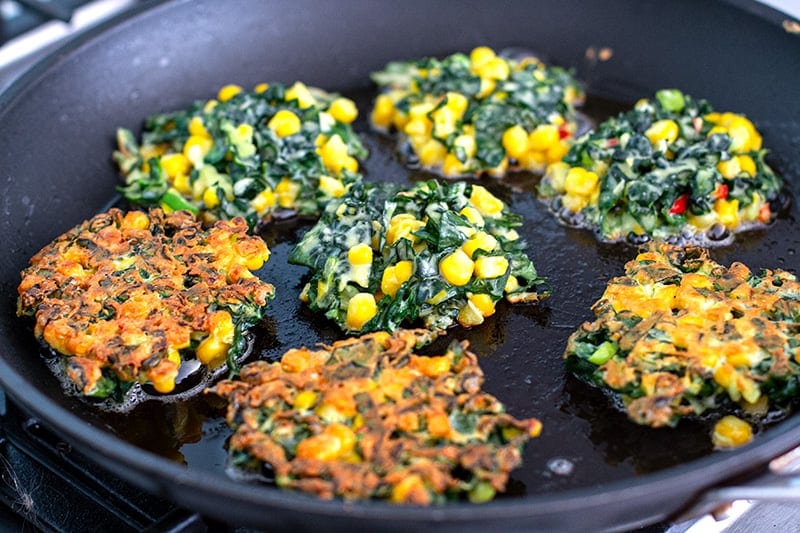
{"x": 591, "y": 469}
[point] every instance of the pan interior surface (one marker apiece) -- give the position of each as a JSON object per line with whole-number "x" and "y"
{"x": 57, "y": 132}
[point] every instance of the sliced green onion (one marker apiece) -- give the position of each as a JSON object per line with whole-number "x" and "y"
{"x": 671, "y": 99}
{"x": 176, "y": 202}
{"x": 603, "y": 353}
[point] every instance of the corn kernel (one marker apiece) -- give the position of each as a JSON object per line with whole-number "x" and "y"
{"x": 580, "y": 182}
{"x": 487, "y": 87}
{"x": 135, "y": 220}
{"x": 490, "y": 266}
{"x": 402, "y": 226}
{"x": 196, "y": 127}
{"x": 556, "y": 174}
{"x": 662, "y": 130}
{"x": 228, "y": 92}
{"x": 331, "y": 187}
{"x": 728, "y": 212}
{"x": 457, "y": 103}
{"x": 473, "y": 216}
{"x": 410, "y": 488}
{"x": 557, "y": 151}
{"x": 480, "y": 55}
{"x": 301, "y": 94}
{"x": 469, "y": 315}
{"x": 457, "y": 268}
{"x": 418, "y": 126}
{"x": 495, "y": 68}
{"x": 433, "y": 366}
{"x": 438, "y": 425}
{"x": 263, "y": 201}
{"x": 322, "y": 447}
{"x": 512, "y": 284}
{"x": 394, "y": 276}
{"x": 286, "y": 192}
{"x": 444, "y": 122}
{"x": 515, "y": 141}
{"x": 195, "y": 149}
{"x": 210, "y": 198}
{"x": 747, "y": 164}
{"x": 174, "y": 164}
{"x": 432, "y": 153}
{"x": 574, "y": 202}
{"x": 284, "y": 123}
{"x": 729, "y": 168}
{"x": 543, "y": 137}
{"x": 345, "y": 435}
{"x": 360, "y": 310}
{"x": 334, "y": 154}
{"x": 360, "y": 254}
{"x": 383, "y": 112}
{"x": 261, "y": 88}
{"x": 483, "y": 302}
{"x": 305, "y": 400}
{"x": 452, "y": 166}
{"x": 731, "y": 432}
{"x": 480, "y": 241}
{"x": 487, "y": 203}
{"x": 343, "y": 110}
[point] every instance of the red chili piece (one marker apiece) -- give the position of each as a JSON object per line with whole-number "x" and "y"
{"x": 680, "y": 204}
{"x": 610, "y": 143}
{"x": 722, "y": 191}
{"x": 563, "y": 132}
{"x": 697, "y": 122}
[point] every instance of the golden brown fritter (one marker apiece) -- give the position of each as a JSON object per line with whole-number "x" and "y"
{"x": 680, "y": 334}
{"x": 367, "y": 418}
{"x": 127, "y": 297}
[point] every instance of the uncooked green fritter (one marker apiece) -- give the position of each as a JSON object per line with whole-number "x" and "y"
{"x": 245, "y": 154}
{"x": 131, "y": 297}
{"x": 368, "y": 418}
{"x": 383, "y": 256}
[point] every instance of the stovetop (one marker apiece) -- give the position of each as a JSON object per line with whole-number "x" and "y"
{"x": 47, "y": 485}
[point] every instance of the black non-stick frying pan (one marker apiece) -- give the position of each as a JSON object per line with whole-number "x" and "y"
{"x": 591, "y": 468}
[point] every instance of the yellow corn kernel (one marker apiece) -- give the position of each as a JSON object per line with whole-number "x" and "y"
{"x": 263, "y": 201}
{"x": 360, "y": 254}
{"x": 718, "y": 130}
{"x": 557, "y": 151}
{"x": 444, "y": 122}
{"x": 747, "y": 164}
{"x": 483, "y": 302}
{"x": 580, "y": 182}
{"x": 410, "y": 488}
{"x": 487, "y": 87}
{"x": 487, "y": 203}
{"x": 457, "y": 268}
{"x": 345, "y": 435}
{"x": 334, "y": 154}
{"x": 305, "y": 400}
{"x": 195, "y": 149}
{"x": 394, "y": 276}
{"x": 543, "y": 137}
{"x": 360, "y": 310}
{"x": 512, "y": 284}
{"x": 457, "y": 103}
{"x": 743, "y": 134}
{"x": 731, "y": 432}
{"x": 515, "y": 141}
{"x": 343, "y": 110}
{"x": 331, "y": 187}
{"x": 286, "y": 192}
{"x": 196, "y": 127}
{"x": 174, "y": 164}
{"x": 480, "y": 55}
{"x": 495, "y": 68}
{"x": 574, "y": 203}
{"x": 403, "y": 226}
{"x": 480, "y": 241}
{"x": 350, "y": 163}
{"x": 383, "y": 112}
{"x": 466, "y": 142}
{"x": 729, "y": 168}
{"x": 261, "y": 88}
{"x": 469, "y": 315}
{"x": 284, "y": 123}
{"x": 182, "y": 184}
{"x": 452, "y": 166}
{"x": 210, "y": 198}
{"x": 213, "y": 349}
{"x": 164, "y": 382}
{"x": 490, "y": 266}
{"x": 728, "y": 212}
{"x": 300, "y": 92}
{"x": 473, "y": 215}
{"x": 534, "y": 161}
{"x": 228, "y": 92}
{"x": 418, "y": 127}
{"x": 432, "y": 153}
{"x": 556, "y": 174}
{"x": 662, "y": 130}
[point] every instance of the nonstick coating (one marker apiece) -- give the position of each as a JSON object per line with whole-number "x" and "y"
{"x": 56, "y": 133}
